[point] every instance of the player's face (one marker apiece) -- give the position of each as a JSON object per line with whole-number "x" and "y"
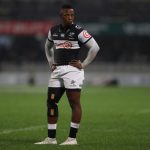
{"x": 67, "y": 16}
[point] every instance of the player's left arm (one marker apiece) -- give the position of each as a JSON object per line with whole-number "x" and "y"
{"x": 86, "y": 39}
{"x": 93, "y": 50}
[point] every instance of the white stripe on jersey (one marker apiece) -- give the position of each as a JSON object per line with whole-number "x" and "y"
{"x": 66, "y": 44}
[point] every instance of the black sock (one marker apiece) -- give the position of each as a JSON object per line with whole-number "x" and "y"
{"x": 51, "y": 133}
{"x": 73, "y": 132}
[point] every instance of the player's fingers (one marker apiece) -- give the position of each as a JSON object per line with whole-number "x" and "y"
{"x": 77, "y": 65}
{"x": 53, "y": 67}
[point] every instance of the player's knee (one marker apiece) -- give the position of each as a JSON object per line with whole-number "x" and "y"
{"x": 54, "y": 95}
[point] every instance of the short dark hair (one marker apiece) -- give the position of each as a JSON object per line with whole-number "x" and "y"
{"x": 67, "y": 6}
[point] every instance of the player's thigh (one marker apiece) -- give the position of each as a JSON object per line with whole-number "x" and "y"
{"x": 73, "y": 97}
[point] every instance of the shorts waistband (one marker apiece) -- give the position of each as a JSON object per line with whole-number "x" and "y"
{"x": 62, "y": 64}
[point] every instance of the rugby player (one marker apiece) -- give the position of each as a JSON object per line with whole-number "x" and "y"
{"x": 62, "y": 50}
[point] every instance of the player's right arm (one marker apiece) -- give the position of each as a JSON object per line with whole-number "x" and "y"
{"x": 49, "y": 51}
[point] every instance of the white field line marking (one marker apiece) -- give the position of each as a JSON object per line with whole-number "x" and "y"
{"x": 22, "y": 129}
{"x": 9, "y": 131}
{"x": 30, "y": 91}
{"x": 144, "y": 111}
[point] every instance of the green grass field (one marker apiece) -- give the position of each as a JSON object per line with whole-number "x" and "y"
{"x": 113, "y": 119}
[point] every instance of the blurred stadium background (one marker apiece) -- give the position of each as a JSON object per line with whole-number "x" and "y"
{"x": 121, "y": 27}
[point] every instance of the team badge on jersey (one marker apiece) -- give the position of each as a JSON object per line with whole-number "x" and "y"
{"x": 78, "y": 27}
{"x": 86, "y": 34}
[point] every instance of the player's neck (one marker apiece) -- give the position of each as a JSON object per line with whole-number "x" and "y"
{"x": 66, "y": 26}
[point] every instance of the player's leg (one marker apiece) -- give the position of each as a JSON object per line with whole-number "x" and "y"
{"x": 53, "y": 97}
{"x": 73, "y": 82}
{"x": 54, "y": 94}
{"x": 74, "y": 101}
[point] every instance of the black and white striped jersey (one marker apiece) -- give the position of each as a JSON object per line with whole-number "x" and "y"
{"x": 67, "y": 42}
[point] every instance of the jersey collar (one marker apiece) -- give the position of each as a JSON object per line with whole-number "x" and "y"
{"x": 65, "y": 28}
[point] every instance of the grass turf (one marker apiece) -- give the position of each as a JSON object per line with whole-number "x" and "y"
{"x": 113, "y": 119}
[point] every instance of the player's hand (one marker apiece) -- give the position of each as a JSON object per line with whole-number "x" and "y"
{"x": 53, "y": 67}
{"x": 76, "y": 63}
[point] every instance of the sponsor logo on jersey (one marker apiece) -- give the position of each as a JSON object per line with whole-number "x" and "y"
{"x": 65, "y": 44}
{"x": 55, "y": 35}
{"x": 86, "y": 34}
{"x": 62, "y": 35}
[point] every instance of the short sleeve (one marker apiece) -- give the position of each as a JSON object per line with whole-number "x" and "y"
{"x": 84, "y": 37}
{"x": 49, "y": 36}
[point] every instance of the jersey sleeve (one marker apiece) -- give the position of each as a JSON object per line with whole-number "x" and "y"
{"x": 49, "y": 36}
{"x": 84, "y": 36}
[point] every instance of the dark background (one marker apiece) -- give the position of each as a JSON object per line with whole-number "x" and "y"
{"x": 117, "y": 45}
